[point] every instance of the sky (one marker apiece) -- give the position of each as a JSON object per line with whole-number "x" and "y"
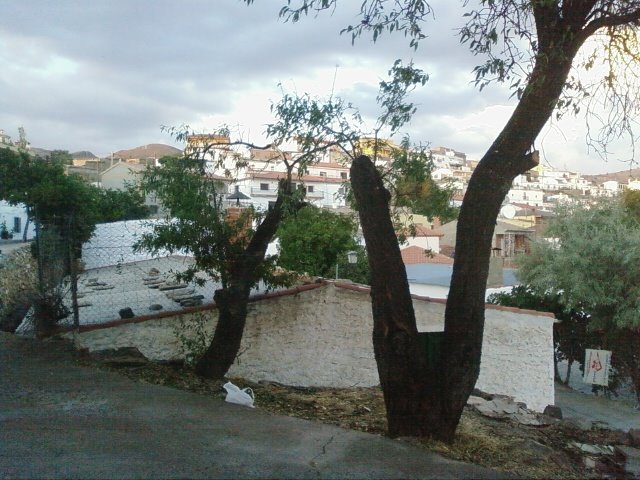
{"x": 108, "y": 75}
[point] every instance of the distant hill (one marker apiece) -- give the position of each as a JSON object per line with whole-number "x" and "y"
{"x": 621, "y": 177}
{"x": 153, "y": 150}
{"x": 43, "y": 153}
{"x": 83, "y": 155}
{"x": 40, "y": 152}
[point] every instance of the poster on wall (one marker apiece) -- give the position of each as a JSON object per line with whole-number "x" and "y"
{"x": 596, "y": 366}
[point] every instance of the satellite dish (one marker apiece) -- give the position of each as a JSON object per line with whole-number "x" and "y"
{"x": 508, "y": 211}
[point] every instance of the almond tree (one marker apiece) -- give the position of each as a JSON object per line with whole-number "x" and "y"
{"x": 533, "y": 45}
{"x": 232, "y": 252}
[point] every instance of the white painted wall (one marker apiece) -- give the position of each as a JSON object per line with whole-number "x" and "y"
{"x": 423, "y": 241}
{"x": 7, "y": 215}
{"x": 322, "y": 337}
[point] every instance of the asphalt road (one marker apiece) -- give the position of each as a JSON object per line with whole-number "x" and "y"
{"x": 61, "y": 420}
{"x": 618, "y": 414}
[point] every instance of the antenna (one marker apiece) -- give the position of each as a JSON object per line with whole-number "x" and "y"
{"x": 333, "y": 85}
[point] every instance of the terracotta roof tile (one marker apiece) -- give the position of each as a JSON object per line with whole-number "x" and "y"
{"x": 414, "y": 254}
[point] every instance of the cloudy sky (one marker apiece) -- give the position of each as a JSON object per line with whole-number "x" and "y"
{"x": 108, "y": 74}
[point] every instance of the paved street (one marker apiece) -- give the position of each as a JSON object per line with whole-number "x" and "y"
{"x": 60, "y": 420}
{"x": 617, "y": 414}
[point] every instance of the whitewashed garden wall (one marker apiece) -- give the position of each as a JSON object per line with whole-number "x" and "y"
{"x": 320, "y": 335}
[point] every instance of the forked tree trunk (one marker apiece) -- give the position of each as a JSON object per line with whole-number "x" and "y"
{"x": 428, "y": 399}
{"x": 232, "y": 301}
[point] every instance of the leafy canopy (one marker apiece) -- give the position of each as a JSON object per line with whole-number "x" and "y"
{"x": 313, "y": 240}
{"x": 58, "y": 200}
{"x": 592, "y": 257}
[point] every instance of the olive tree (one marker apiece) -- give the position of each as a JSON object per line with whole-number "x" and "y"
{"x": 533, "y": 45}
{"x": 590, "y": 264}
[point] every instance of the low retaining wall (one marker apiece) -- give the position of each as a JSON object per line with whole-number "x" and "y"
{"x": 320, "y": 335}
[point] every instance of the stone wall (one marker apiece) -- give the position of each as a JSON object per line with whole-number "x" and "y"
{"x": 320, "y": 335}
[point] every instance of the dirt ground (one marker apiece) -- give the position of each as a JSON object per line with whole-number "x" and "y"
{"x": 528, "y": 451}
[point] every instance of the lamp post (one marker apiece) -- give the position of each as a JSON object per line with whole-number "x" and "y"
{"x": 352, "y": 257}
{"x": 237, "y": 195}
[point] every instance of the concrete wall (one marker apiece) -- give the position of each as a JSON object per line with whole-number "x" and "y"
{"x": 321, "y": 336}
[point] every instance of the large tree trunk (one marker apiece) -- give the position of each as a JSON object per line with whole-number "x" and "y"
{"x": 509, "y": 156}
{"x": 428, "y": 399}
{"x": 232, "y": 300}
{"x": 402, "y": 362}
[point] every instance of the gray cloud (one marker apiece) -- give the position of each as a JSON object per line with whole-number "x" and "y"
{"x": 106, "y": 75}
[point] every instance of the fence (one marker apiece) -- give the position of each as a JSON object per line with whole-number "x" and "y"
{"x": 106, "y": 279}
{"x": 56, "y": 273}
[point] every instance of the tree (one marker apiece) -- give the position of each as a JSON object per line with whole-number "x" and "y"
{"x": 229, "y": 250}
{"x": 314, "y": 240}
{"x": 116, "y": 205}
{"x": 50, "y": 196}
{"x": 415, "y": 188}
{"x": 22, "y": 143}
{"x": 591, "y": 265}
{"x": 62, "y": 157}
{"x": 532, "y": 44}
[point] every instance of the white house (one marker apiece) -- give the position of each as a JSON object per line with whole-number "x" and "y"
{"x": 425, "y": 238}
{"x": 257, "y": 176}
{"x": 121, "y": 175}
{"x": 14, "y": 219}
{"x": 528, "y": 196}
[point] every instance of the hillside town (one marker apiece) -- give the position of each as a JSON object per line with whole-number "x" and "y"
{"x": 526, "y": 209}
{"x": 132, "y": 301}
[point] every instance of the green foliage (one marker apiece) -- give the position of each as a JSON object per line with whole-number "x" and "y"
{"x": 409, "y": 177}
{"x": 193, "y": 336}
{"x": 377, "y": 16}
{"x": 631, "y": 202}
{"x": 315, "y": 125}
{"x": 62, "y": 157}
{"x": 51, "y": 197}
{"x": 314, "y": 240}
{"x": 393, "y": 94}
{"x": 116, "y": 205}
{"x": 196, "y": 224}
{"x": 592, "y": 259}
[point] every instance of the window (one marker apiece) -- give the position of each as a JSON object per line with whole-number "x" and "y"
{"x": 310, "y": 189}
{"x": 17, "y": 224}
{"x": 264, "y": 186}
{"x": 343, "y": 175}
{"x": 323, "y": 174}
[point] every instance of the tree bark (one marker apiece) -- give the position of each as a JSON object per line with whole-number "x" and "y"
{"x": 425, "y": 399}
{"x": 402, "y": 362}
{"x": 509, "y": 156}
{"x": 232, "y": 301}
{"x": 568, "y": 377}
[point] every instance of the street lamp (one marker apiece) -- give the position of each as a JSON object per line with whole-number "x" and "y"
{"x": 237, "y": 195}
{"x": 352, "y": 257}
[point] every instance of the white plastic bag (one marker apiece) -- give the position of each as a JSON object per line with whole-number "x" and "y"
{"x": 241, "y": 397}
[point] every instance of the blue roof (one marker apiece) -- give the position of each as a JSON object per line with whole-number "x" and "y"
{"x": 439, "y": 274}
